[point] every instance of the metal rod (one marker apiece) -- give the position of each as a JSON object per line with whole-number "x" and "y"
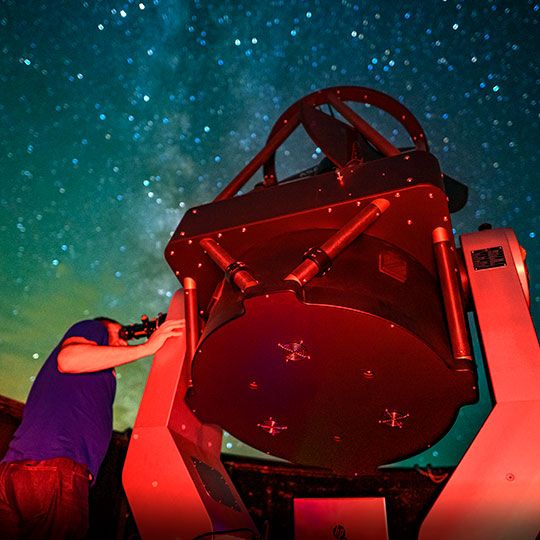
{"x": 191, "y": 314}
{"x": 251, "y": 168}
{"x": 308, "y": 268}
{"x": 455, "y": 317}
{"x": 233, "y": 269}
{"x": 371, "y": 134}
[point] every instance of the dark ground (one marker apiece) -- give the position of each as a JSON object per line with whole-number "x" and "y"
{"x": 268, "y": 489}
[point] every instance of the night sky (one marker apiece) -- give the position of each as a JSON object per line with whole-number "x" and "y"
{"x": 116, "y": 117}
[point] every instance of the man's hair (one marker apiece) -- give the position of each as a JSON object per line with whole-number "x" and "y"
{"x": 107, "y": 319}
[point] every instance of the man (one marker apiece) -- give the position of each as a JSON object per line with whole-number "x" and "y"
{"x": 57, "y": 450}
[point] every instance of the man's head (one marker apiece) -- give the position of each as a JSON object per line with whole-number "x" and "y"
{"x": 113, "y": 328}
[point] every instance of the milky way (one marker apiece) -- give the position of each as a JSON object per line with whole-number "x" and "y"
{"x": 117, "y": 116}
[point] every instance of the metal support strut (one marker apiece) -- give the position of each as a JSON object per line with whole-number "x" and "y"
{"x": 235, "y": 271}
{"x": 249, "y": 170}
{"x": 453, "y": 307}
{"x": 317, "y": 261}
{"x": 192, "y": 317}
{"x": 372, "y": 135}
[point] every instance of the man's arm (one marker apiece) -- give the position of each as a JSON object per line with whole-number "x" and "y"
{"x": 79, "y": 355}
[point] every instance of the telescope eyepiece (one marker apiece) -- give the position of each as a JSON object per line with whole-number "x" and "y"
{"x": 144, "y": 329}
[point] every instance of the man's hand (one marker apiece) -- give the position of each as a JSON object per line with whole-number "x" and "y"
{"x": 173, "y": 328}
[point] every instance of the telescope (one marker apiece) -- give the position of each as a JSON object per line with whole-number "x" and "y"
{"x": 328, "y": 323}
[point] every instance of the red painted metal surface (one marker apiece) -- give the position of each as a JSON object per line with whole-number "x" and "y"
{"x": 356, "y": 94}
{"x": 316, "y": 364}
{"x": 309, "y": 268}
{"x": 191, "y": 316}
{"x": 448, "y": 275}
{"x": 495, "y": 490}
{"x": 343, "y": 388}
{"x": 412, "y": 182}
{"x": 338, "y": 141}
{"x": 234, "y": 271}
{"x": 348, "y": 369}
{"x": 175, "y": 482}
{"x": 371, "y": 134}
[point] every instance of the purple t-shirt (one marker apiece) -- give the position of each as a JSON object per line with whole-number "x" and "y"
{"x": 67, "y": 414}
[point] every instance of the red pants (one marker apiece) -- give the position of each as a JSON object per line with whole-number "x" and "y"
{"x": 43, "y": 500}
